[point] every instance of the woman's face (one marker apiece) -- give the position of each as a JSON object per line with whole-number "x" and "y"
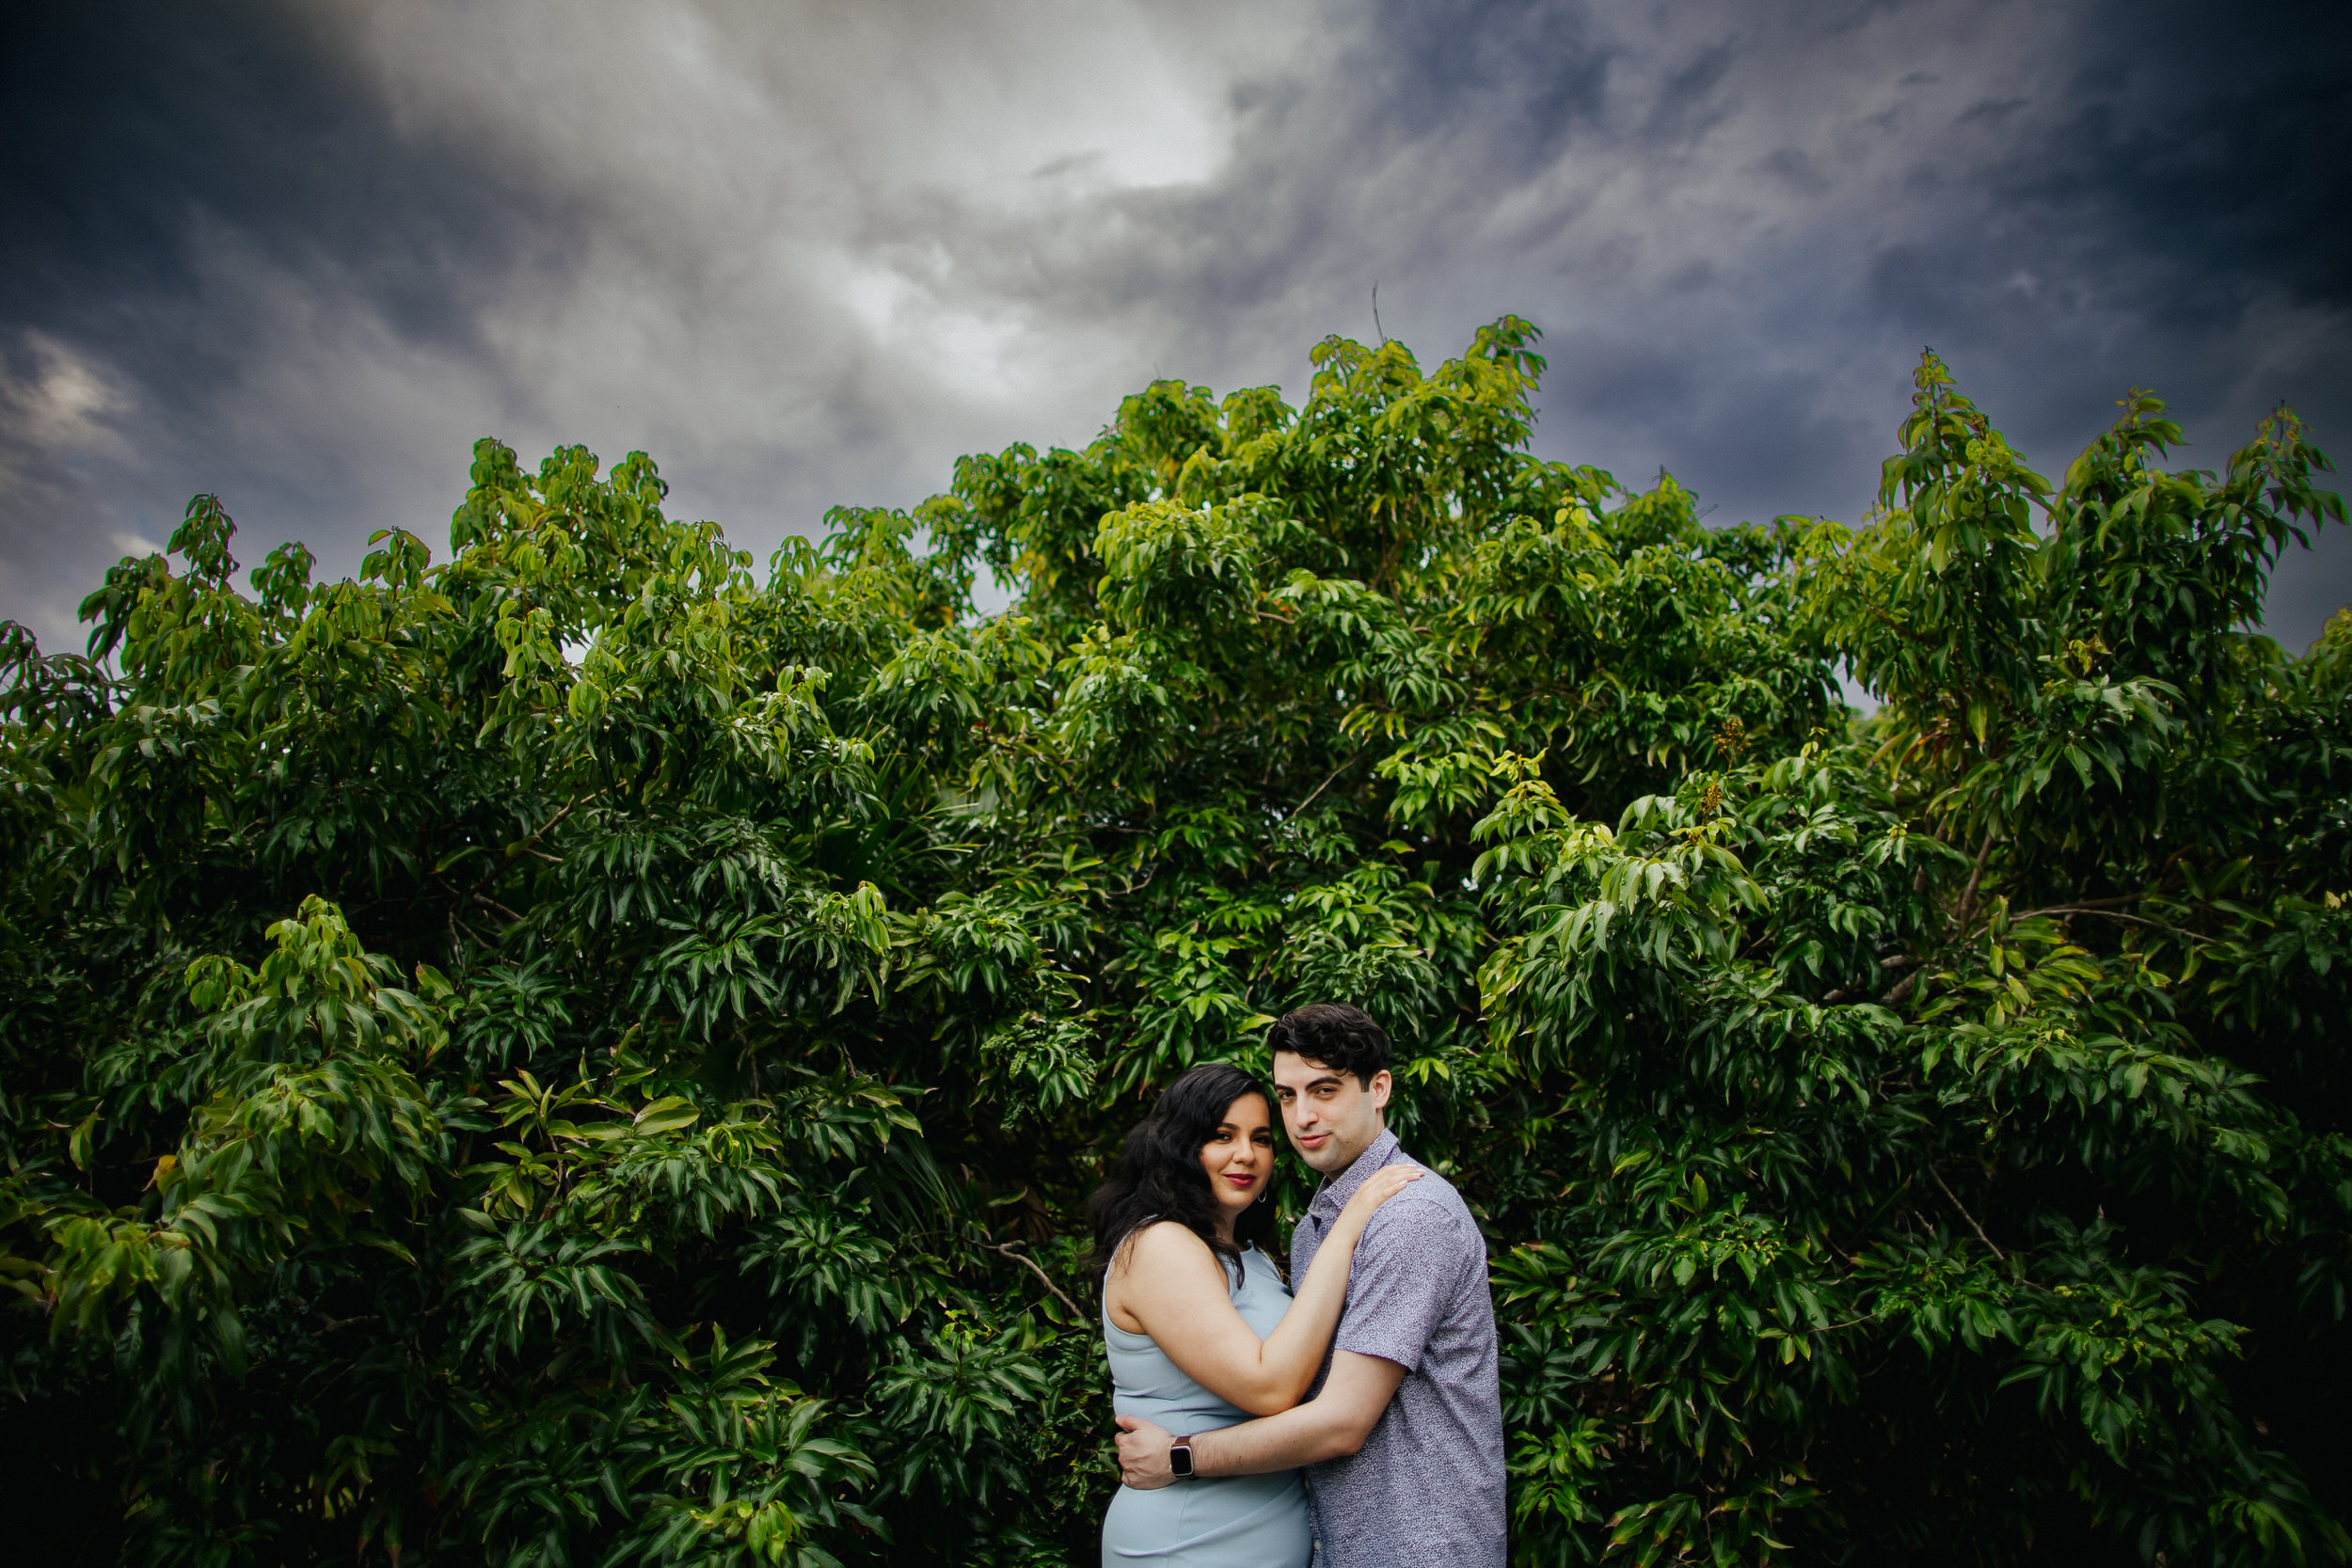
{"x": 1239, "y": 1155}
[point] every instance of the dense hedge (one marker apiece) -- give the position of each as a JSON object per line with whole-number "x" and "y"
{"x": 582, "y": 1053}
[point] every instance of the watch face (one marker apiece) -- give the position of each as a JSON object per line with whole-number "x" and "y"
{"x": 1180, "y": 1459}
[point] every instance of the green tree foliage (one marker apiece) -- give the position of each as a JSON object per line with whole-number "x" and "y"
{"x": 582, "y": 1053}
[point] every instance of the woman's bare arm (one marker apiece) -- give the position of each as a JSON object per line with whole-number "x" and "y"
{"x": 1332, "y": 1425}
{"x": 1170, "y": 1285}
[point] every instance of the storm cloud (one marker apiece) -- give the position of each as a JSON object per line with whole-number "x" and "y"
{"x": 805, "y": 253}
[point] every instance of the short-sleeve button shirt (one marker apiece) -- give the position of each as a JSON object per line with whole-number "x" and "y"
{"x": 1427, "y": 1486}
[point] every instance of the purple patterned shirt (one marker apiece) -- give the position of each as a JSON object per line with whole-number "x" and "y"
{"x": 1427, "y": 1486}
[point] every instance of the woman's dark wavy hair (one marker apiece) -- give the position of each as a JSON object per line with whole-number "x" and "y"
{"x": 1159, "y": 1174}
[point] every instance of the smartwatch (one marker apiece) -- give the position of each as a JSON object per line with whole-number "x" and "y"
{"x": 1179, "y": 1457}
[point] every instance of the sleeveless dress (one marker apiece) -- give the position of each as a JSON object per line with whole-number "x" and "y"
{"x": 1225, "y": 1522}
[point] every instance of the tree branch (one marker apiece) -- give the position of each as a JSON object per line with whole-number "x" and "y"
{"x": 2119, "y": 916}
{"x": 496, "y": 906}
{"x": 521, "y": 846}
{"x": 2075, "y": 905}
{"x": 1966, "y": 1215}
{"x": 1968, "y": 896}
{"x": 1034, "y": 1267}
{"x": 1326, "y": 783}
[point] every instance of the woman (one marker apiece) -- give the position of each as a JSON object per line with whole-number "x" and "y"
{"x": 1202, "y": 1331}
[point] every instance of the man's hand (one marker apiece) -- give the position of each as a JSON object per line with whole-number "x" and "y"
{"x": 1143, "y": 1453}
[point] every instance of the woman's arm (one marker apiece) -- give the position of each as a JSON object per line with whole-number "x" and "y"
{"x": 1332, "y": 1425}
{"x": 1168, "y": 1281}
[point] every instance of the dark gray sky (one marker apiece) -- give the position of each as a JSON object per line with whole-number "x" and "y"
{"x": 805, "y": 253}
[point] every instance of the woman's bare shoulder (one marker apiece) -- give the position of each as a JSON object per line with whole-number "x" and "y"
{"x": 1157, "y": 1258}
{"x": 1162, "y": 1249}
{"x": 1164, "y": 1241}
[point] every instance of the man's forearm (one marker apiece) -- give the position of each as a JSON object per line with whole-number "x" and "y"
{"x": 1333, "y": 1424}
{"x": 1305, "y": 1434}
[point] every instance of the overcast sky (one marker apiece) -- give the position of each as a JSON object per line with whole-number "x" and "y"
{"x": 806, "y": 253}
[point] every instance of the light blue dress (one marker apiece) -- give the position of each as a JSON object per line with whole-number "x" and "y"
{"x": 1228, "y": 1522}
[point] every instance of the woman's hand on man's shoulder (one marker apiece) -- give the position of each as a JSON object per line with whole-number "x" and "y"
{"x": 1380, "y": 1186}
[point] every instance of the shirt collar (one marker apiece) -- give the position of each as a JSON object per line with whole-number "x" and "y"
{"x": 1340, "y": 1188}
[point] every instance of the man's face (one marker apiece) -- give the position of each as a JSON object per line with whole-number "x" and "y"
{"x": 1331, "y": 1115}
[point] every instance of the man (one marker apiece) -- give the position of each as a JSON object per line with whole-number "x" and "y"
{"x": 1402, "y": 1436}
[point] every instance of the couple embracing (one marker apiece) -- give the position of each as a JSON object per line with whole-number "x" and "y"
{"x": 1350, "y": 1416}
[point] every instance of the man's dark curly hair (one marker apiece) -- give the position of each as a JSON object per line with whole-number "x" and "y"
{"x": 1340, "y": 1037}
{"x": 1159, "y": 1177}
